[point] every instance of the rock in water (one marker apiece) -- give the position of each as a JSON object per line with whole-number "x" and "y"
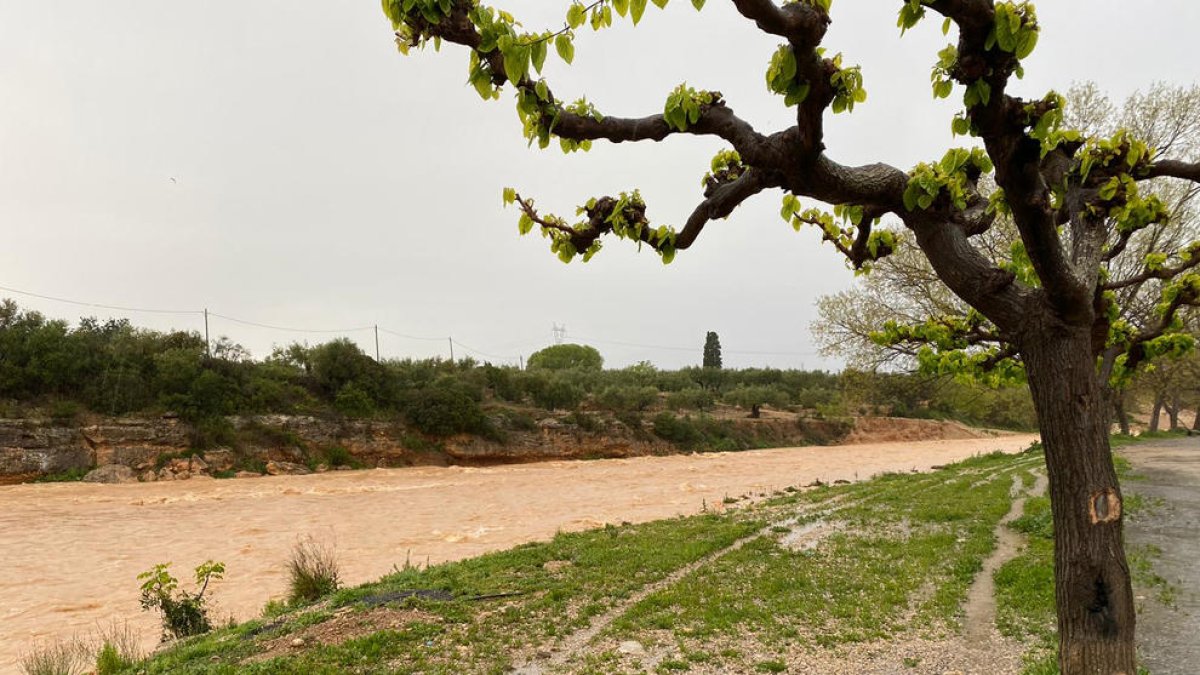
{"x": 110, "y": 473}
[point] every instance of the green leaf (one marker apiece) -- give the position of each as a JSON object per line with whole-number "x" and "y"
{"x": 537, "y": 54}
{"x": 946, "y": 26}
{"x": 622, "y": 6}
{"x": 510, "y": 195}
{"x": 525, "y": 224}
{"x": 636, "y": 9}
{"x": 659, "y": 3}
{"x": 698, "y": 4}
{"x": 565, "y": 48}
{"x": 575, "y": 16}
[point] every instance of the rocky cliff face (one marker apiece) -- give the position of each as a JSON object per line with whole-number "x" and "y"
{"x": 161, "y": 448}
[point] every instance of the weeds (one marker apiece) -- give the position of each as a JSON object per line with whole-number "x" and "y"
{"x": 313, "y": 570}
{"x": 59, "y": 657}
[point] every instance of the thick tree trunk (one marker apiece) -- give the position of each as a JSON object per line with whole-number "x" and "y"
{"x": 1091, "y": 575}
{"x": 1173, "y": 413}
{"x": 1155, "y": 412}
{"x": 1196, "y": 422}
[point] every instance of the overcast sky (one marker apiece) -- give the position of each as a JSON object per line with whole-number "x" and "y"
{"x": 280, "y": 162}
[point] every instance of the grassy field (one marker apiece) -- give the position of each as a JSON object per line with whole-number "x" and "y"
{"x": 745, "y": 588}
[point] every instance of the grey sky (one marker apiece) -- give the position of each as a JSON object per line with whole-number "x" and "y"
{"x": 323, "y": 180}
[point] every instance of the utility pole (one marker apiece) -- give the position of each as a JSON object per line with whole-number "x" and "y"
{"x": 451, "y": 350}
{"x": 376, "y": 343}
{"x": 522, "y": 360}
{"x": 559, "y": 332}
{"x": 207, "y": 344}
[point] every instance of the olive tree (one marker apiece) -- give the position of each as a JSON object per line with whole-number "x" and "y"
{"x": 1064, "y": 190}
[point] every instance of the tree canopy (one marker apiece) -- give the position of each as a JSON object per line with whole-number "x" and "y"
{"x": 566, "y": 356}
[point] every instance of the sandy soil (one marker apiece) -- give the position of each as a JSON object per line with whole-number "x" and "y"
{"x": 71, "y": 551}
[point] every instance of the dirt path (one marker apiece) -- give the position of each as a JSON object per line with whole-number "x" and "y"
{"x": 1170, "y": 469}
{"x": 71, "y": 552}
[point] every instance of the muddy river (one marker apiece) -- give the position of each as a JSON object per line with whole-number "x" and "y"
{"x": 71, "y": 552}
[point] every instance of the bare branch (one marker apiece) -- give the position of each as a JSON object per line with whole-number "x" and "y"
{"x": 1175, "y": 169}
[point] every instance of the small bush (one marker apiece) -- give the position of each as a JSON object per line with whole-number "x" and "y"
{"x": 313, "y": 570}
{"x": 693, "y": 398}
{"x": 628, "y": 398}
{"x": 352, "y": 401}
{"x": 678, "y": 430}
{"x": 65, "y": 413}
{"x": 60, "y": 657}
{"x": 340, "y": 456}
{"x": 183, "y": 614}
{"x": 120, "y": 649}
{"x": 585, "y": 421}
{"x": 520, "y": 421}
{"x": 558, "y": 394}
{"x": 443, "y": 408}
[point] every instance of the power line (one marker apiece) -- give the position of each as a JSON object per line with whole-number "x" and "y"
{"x": 483, "y": 353}
{"x": 694, "y": 349}
{"x": 102, "y": 306}
{"x": 411, "y": 337}
{"x": 291, "y": 330}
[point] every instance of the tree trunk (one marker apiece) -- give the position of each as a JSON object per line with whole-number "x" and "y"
{"x": 1173, "y": 413}
{"x": 1116, "y": 397}
{"x": 1091, "y": 575}
{"x": 1122, "y": 413}
{"x": 1155, "y": 412}
{"x": 1196, "y": 422}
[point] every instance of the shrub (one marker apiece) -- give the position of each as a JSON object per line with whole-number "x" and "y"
{"x": 628, "y": 398}
{"x": 585, "y": 421}
{"x": 183, "y": 614}
{"x": 756, "y": 395}
{"x": 443, "y": 408}
{"x": 313, "y": 570}
{"x": 558, "y": 394}
{"x": 352, "y": 401}
{"x": 120, "y": 649}
{"x": 694, "y": 398}
{"x": 679, "y": 430}
{"x": 516, "y": 419}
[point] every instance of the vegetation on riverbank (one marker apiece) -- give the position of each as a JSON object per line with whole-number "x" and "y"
{"x": 56, "y": 371}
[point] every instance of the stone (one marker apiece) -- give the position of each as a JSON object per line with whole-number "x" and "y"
{"x": 183, "y": 475}
{"x": 298, "y": 642}
{"x": 247, "y": 474}
{"x": 148, "y": 476}
{"x": 110, "y": 473}
{"x": 197, "y": 465}
{"x": 322, "y": 468}
{"x": 221, "y": 459}
{"x": 286, "y": 469}
{"x": 165, "y": 473}
{"x": 631, "y": 647}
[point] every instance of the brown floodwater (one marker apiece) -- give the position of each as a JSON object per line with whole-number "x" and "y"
{"x": 70, "y": 553}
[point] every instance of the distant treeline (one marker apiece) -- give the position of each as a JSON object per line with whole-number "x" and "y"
{"x": 114, "y": 368}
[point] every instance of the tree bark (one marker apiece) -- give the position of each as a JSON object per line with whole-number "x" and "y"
{"x": 1196, "y": 422}
{"x": 1091, "y": 574}
{"x": 1155, "y": 412}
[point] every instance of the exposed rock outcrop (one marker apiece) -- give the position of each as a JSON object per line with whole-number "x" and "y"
{"x": 111, "y": 473}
